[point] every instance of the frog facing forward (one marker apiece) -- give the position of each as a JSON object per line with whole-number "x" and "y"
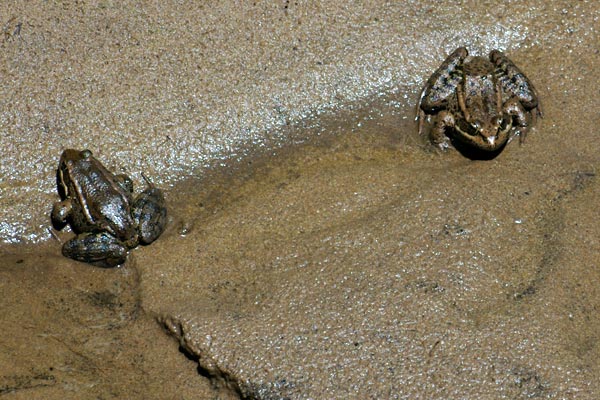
{"x": 480, "y": 102}
{"x": 102, "y": 211}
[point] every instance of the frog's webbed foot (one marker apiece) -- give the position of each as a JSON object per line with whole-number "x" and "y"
{"x": 99, "y": 249}
{"x": 151, "y": 212}
{"x": 515, "y": 83}
{"x": 442, "y": 84}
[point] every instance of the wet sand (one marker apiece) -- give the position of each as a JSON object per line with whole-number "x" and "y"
{"x": 72, "y": 333}
{"x": 327, "y": 252}
{"x": 369, "y": 267}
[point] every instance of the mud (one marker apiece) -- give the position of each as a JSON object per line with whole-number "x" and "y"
{"x": 316, "y": 248}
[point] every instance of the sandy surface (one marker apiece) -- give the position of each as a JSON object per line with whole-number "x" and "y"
{"x": 356, "y": 264}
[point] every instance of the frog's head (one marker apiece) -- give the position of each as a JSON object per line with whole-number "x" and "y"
{"x": 72, "y": 155}
{"x": 69, "y": 159}
{"x": 485, "y": 133}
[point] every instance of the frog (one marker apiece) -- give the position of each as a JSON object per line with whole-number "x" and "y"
{"x": 102, "y": 211}
{"x": 480, "y": 103}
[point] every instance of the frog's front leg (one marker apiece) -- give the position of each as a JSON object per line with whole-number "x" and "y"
{"x": 150, "y": 213}
{"x": 100, "y": 249}
{"x": 519, "y": 116}
{"x": 60, "y": 213}
{"x": 515, "y": 83}
{"x": 437, "y": 134}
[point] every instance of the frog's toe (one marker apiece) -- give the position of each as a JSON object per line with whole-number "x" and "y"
{"x": 98, "y": 249}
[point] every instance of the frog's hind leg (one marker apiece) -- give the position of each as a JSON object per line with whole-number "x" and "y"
{"x": 151, "y": 212}
{"x": 99, "y": 249}
{"x": 515, "y": 83}
{"x": 442, "y": 84}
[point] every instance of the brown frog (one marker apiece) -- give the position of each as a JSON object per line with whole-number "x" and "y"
{"x": 100, "y": 208}
{"x": 480, "y": 102}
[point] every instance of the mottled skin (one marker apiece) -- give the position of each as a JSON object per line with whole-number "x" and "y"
{"x": 100, "y": 208}
{"x": 479, "y": 101}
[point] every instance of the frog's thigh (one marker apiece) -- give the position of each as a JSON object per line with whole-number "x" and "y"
{"x": 99, "y": 249}
{"x": 514, "y": 81}
{"x": 150, "y": 212}
{"x": 443, "y": 82}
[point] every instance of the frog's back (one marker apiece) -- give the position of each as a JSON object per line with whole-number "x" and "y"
{"x": 104, "y": 205}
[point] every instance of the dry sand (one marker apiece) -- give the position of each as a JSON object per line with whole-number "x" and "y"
{"x": 316, "y": 248}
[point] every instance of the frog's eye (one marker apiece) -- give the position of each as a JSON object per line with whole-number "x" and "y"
{"x": 476, "y": 125}
{"x": 86, "y": 153}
